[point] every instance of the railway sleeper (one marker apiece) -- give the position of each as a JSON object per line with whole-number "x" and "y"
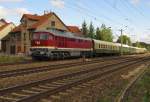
{"x": 55, "y": 98}
{"x": 73, "y": 91}
{"x": 69, "y": 95}
{"x": 64, "y": 96}
{"x": 45, "y": 87}
{"x": 58, "y": 83}
{"x": 53, "y": 85}
{"x": 30, "y": 91}
{"x": 38, "y": 89}
{"x": 8, "y": 99}
{"x": 19, "y": 95}
{"x": 45, "y": 100}
{"x": 50, "y": 86}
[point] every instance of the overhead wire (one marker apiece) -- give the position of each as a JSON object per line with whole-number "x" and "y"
{"x": 96, "y": 14}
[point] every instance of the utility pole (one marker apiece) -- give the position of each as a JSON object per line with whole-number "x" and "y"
{"x": 121, "y": 52}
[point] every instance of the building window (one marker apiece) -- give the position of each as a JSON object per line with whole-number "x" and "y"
{"x": 19, "y": 49}
{"x": 30, "y": 35}
{"x": 24, "y": 48}
{"x": 18, "y": 36}
{"x": 24, "y": 36}
{"x": 53, "y": 23}
{"x": 13, "y": 35}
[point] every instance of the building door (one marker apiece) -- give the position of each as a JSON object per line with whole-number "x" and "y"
{"x": 13, "y": 49}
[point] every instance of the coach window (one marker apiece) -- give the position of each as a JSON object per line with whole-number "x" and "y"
{"x": 104, "y": 46}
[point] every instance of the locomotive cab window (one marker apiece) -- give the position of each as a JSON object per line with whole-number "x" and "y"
{"x": 35, "y": 36}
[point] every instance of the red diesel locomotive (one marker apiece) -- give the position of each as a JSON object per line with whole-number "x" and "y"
{"x": 59, "y": 44}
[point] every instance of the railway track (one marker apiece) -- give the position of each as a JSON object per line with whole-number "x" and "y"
{"x": 34, "y": 91}
{"x": 25, "y": 62}
{"x": 25, "y": 71}
{"x": 128, "y": 89}
{"x": 34, "y": 61}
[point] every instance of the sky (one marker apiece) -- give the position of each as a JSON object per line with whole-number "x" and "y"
{"x": 130, "y": 15}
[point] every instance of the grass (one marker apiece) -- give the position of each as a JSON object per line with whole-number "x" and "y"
{"x": 11, "y": 59}
{"x": 112, "y": 89}
{"x": 141, "y": 90}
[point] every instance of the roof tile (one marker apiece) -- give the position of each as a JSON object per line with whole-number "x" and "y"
{"x": 74, "y": 29}
{"x": 41, "y": 20}
{"x": 17, "y": 29}
{"x": 3, "y": 26}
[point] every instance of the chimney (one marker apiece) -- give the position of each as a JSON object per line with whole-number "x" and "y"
{"x": 3, "y": 20}
{"x": 44, "y": 12}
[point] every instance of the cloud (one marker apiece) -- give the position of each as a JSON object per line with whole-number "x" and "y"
{"x": 21, "y": 11}
{"x": 145, "y": 38}
{"x": 57, "y": 3}
{"x": 135, "y": 2}
{"x": 6, "y": 12}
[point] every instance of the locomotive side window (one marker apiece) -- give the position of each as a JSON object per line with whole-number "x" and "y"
{"x": 50, "y": 37}
{"x": 44, "y": 36}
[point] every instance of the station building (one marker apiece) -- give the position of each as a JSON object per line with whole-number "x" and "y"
{"x": 5, "y": 28}
{"x": 19, "y": 39}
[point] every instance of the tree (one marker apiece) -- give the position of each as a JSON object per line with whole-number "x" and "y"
{"x": 91, "y": 32}
{"x": 137, "y": 44}
{"x": 142, "y": 45}
{"x": 105, "y": 34}
{"x": 98, "y": 33}
{"x": 125, "y": 40}
{"x": 84, "y": 29}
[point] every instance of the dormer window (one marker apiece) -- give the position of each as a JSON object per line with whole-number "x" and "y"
{"x": 53, "y": 23}
{"x": 24, "y": 22}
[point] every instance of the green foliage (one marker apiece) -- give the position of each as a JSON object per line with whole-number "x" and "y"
{"x": 137, "y": 44}
{"x": 104, "y": 34}
{"x": 98, "y": 33}
{"x": 91, "y": 32}
{"x": 142, "y": 44}
{"x": 146, "y": 97}
{"x": 11, "y": 59}
{"x": 84, "y": 29}
{"x": 145, "y": 86}
{"x": 125, "y": 40}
